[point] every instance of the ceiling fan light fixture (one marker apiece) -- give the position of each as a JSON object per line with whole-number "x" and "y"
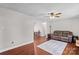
{"x": 52, "y": 15}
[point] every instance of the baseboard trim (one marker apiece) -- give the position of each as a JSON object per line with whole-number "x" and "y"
{"x": 6, "y": 49}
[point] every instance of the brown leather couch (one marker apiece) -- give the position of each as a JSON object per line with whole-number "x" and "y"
{"x": 65, "y": 36}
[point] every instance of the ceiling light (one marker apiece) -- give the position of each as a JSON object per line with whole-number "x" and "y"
{"x": 52, "y": 15}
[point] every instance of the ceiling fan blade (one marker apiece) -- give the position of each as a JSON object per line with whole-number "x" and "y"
{"x": 57, "y": 16}
{"x": 58, "y": 13}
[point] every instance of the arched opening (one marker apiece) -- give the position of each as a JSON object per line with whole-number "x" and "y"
{"x": 40, "y": 35}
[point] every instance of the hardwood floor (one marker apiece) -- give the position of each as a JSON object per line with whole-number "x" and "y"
{"x": 32, "y": 49}
{"x": 23, "y": 50}
{"x": 70, "y": 49}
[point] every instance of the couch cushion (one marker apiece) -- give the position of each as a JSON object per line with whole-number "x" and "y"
{"x": 57, "y": 33}
{"x": 56, "y": 37}
{"x": 65, "y": 34}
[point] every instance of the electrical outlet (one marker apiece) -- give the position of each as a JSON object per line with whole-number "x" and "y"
{"x": 12, "y": 42}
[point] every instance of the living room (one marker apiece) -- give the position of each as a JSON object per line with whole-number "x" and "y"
{"x": 39, "y": 29}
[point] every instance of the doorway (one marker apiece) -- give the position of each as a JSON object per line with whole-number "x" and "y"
{"x": 40, "y": 34}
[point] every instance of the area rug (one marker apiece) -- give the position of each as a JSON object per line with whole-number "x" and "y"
{"x": 53, "y": 47}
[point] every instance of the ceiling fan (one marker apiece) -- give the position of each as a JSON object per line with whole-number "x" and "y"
{"x": 52, "y": 14}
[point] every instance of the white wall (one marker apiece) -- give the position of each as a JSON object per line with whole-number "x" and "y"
{"x": 71, "y": 24}
{"x": 15, "y": 27}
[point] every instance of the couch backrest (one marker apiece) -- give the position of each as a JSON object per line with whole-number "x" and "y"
{"x": 63, "y": 33}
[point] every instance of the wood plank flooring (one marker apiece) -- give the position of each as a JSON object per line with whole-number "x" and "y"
{"x": 32, "y": 49}
{"x": 23, "y": 50}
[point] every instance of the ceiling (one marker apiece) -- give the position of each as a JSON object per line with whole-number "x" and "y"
{"x": 41, "y": 10}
